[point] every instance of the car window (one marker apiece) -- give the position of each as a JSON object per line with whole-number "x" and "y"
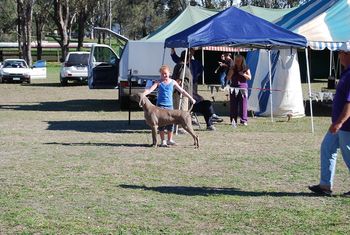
{"x": 78, "y": 59}
{"x": 7, "y": 65}
{"x": 14, "y": 64}
{"x": 105, "y": 55}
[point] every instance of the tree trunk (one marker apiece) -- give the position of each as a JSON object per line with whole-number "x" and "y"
{"x": 81, "y": 28}
{"x": 19, "y": 26}
{"x": 40, "y": 17}
{"x": 26, "y": 11}
{"x": 28, "y": 32}
{"x": 39, "y": 49}
{"x": 61, "y": 17}
{"x": 85, "y": 12}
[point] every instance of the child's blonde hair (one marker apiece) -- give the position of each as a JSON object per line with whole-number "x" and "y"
{"x": 164, "y": 68}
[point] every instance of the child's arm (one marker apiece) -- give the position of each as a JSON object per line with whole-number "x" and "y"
{"x": 182, "y": 91}
{"x": 149, "y": 90}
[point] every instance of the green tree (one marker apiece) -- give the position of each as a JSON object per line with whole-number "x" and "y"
{"x": 8, "y": 20}
{"x": 137, "y": 18}
{"x": 63, "y": 17}
{"x": 175, "y": 7}
{"x": 146, "y": 18}
{"x": 272, "y": 3}
{"x": 260, "y": 3}
{"x": 41, "y": 14}
{"x": 208, "y": 3}
{"x": 85, "y": 9}
{"x": 101, "y": 17}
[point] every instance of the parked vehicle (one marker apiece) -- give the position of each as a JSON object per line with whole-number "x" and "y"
{"x": 74, "y": 67}
{"x": 15, "y": 70}
{"x": 104, "y": 73}
{"x": 38, "y": 70}
{"x": 103, "y": 67}
{"x": 137, "y": 65}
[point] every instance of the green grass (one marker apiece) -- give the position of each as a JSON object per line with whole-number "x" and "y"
{"x": 71, "y": 164}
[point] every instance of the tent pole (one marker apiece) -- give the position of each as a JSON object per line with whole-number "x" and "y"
{"x": 330, "y": 62}
{"x": 270, "y": 78}
{"x": 309, "y": 84}
{"x": 182, "y": 85}
{"x": 203, "y": 82}
{"x": 183, "y": 75}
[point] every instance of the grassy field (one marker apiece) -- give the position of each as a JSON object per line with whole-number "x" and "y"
{"x": 71, "y": 164}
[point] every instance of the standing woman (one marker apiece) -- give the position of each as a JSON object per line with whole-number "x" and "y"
{"x": 238, "y": 75}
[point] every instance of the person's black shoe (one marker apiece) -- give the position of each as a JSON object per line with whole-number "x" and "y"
{"x": 216, "y": 118}
{"x": 320, "y": 191}
{"x": 211, "y": 128}
{"x": 347, "y": 194}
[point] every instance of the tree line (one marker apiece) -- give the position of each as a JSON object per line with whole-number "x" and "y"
{"x": 34, "y": 20}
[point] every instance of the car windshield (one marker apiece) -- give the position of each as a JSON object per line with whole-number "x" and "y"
{"x": 14, "y": 64}
{"x": 78, "y": 59}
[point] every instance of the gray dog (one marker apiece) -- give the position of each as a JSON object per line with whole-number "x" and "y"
{"x": 156, "y": 117}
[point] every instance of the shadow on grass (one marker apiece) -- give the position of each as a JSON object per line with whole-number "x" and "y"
{"x": 117, "y": 126}
{"x": 54, "y": 84}
{"x": 44, "y": 84}
{"x": 99, "y": 144}
{"x": 208, "y": 191}
{"x": 89, "y": 105}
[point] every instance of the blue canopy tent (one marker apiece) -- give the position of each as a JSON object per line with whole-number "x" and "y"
{"x": 236, "y": 28}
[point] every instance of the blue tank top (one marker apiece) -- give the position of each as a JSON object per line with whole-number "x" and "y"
{"x": 165, "y": 95}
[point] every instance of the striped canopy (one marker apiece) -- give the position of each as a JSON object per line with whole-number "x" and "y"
{"x": 226, "y": 49}
{"x": 324, "y": 23}
{"x": 317, "y": 45}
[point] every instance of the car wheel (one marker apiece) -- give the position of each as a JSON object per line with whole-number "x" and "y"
{"x": 64, "y": 81}
{"x": 29, "y": 81}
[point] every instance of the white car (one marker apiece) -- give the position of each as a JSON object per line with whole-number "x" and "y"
{"x": 74, "y": 67}
{"x": 15, "y": 70}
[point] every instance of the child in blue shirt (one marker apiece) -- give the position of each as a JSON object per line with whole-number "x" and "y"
{"x": 166, "y": 87}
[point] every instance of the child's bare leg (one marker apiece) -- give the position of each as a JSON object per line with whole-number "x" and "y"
{"x": 170, "y": 135}
{"x": 161, "y": 133}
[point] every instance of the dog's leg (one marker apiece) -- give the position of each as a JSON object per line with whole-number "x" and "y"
{"x": 154, "y": 136}
{"x": 194, "y": 136}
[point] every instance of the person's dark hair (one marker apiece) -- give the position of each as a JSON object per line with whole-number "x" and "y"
{"x": 183, "y": 54}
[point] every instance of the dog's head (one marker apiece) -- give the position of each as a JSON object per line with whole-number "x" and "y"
{"x": 139, "y": 98}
